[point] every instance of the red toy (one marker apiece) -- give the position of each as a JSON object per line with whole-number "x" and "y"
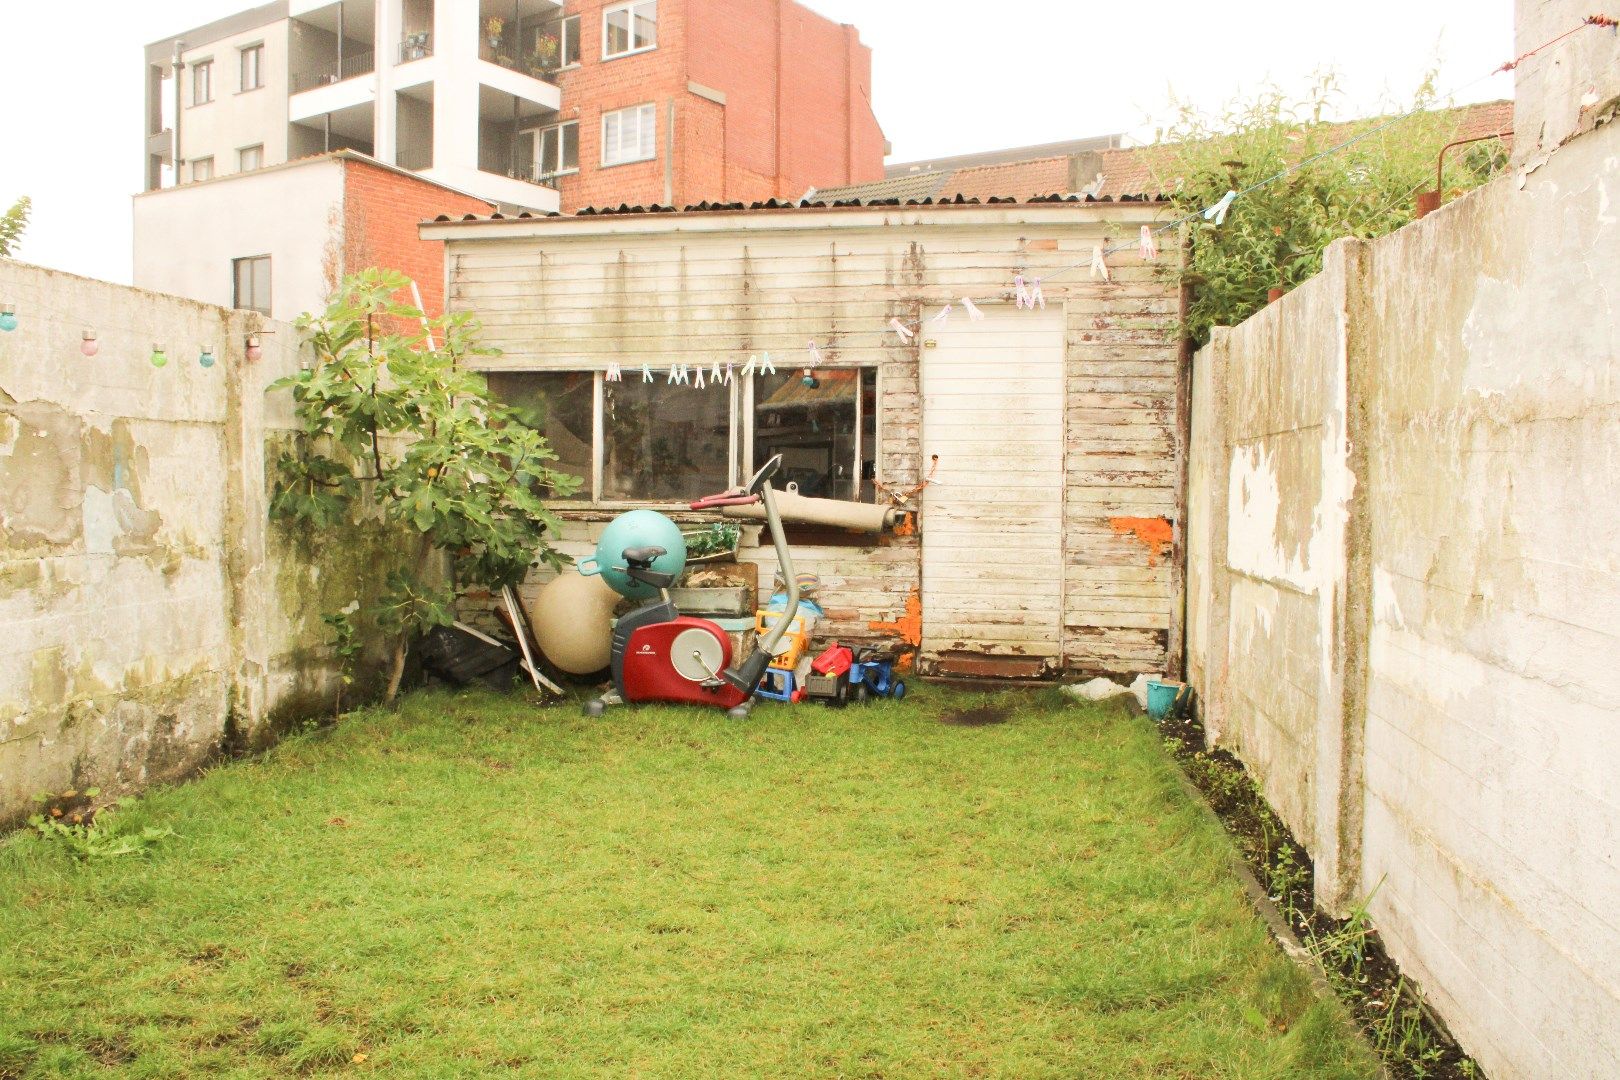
{"x": 836, "y": 660}
{"x": 829, "y": 675}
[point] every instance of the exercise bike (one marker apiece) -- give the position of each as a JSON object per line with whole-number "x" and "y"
{"x": 661, "y": 655}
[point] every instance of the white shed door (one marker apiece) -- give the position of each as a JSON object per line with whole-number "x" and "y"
{"x": 993, "y": 517}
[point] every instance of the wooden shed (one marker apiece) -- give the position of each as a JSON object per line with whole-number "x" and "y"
{"x": 1041, "y": 446}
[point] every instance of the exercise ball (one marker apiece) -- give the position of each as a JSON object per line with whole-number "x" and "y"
{"x": 638, "y": 528}
{"x": 572, "y": 618}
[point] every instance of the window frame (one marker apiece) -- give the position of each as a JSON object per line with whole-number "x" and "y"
{"x": 241, "y": 150}
{"x": 236, "y": 283}
{"x": 563, "y": 37}
{"x": 740, "y": 420}
{"x": 651, "y": 109}
{"x": 209, "y": 161}
{"x": 204, "y": 69}
{"x": 257, "y": 51}
{"x": 538, "y": 134}
{"x": 630, "y": 6}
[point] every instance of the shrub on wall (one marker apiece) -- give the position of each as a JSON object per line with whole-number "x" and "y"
{"x": 1274, "y": 236}
{"x": 392, "y": 425}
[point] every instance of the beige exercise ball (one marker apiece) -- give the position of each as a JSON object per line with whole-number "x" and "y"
{"x": 572, "y": 617}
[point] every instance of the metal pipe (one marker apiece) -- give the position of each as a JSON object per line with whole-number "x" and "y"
{"x": 178, "y": 67}
{"x": 1429, "y": 201}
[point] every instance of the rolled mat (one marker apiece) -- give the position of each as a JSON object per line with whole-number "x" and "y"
{"x": 800, "y": 510}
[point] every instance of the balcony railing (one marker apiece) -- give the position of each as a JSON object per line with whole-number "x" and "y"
{"x": 503, "y": 54}
{"x": 499, "y": 162}
{"x": 415, "y": 47}
{"x": 350, "y": 67}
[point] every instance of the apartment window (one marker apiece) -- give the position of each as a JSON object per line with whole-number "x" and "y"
{"x": 568, "y": 36}
{"x": 252, "y": 67}
{"x": 629, "y": 28}
{"x": 202, "y": 82}
{"x": 249, "y": 158}
{"x": 637, "y": 442}
{"x": 250, "y": 287}
{"x": 630, "y": 135}
{"x": 555, "y": 150}
{"x": 202, "y": 168}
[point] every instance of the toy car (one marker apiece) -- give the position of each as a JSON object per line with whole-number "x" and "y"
{"x": 829, "y": 678}
{"x": 872, "y": 672}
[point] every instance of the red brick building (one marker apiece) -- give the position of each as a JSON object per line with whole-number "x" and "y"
{"x": 749, "y": 99}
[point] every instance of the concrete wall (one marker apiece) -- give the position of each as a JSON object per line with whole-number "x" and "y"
{"x": 1566, "y": 88}
{"x": 1404, "y": 576}
{"x": 151, "y": 613}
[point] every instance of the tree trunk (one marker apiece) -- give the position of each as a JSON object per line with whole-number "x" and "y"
{"x": 399, "y": 671}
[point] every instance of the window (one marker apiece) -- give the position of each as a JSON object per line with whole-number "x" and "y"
{"x": 202, "y": 82}
{"x": 638, "y": 442}
{"x": 250, "y": 157}
{"x": 253, "y": 67}
{"x": 629, "y": 28}
{"x": 630, "y": 135}
{"x": 568, "y": 34}
{"x": 826, "y": 434}
{"x": 250, "y": 287}
{"x": 202, "y": 168}
{"x": 560, "y": 407}
{"x": 555, "y": 150}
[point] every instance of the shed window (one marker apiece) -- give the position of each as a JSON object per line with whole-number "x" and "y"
{"x": 250, "y": 288}
{"x": 641, "y": 442}
{"x": 559, "y": 406}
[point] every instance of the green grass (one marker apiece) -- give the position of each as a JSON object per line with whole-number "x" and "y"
{"x": 472, "y": 886}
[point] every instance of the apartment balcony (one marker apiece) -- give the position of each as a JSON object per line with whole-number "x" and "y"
{"x": 331, "y": 58}
{"x": 332, "y": 71}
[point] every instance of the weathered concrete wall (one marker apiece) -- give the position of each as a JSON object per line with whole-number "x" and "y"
{"x": 150, "y": 611}
{"x": 1406, "y": 621}
{"x": 1566, "y": 88}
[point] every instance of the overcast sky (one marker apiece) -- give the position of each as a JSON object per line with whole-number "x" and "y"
{"x": 949, "y": 77}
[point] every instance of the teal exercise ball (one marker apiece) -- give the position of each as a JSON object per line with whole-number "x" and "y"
{"x": 638, "y": 528}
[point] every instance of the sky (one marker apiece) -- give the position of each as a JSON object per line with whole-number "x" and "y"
{"x": 949, "y": 77}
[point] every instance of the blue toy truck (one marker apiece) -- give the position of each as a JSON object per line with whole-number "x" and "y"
{"x": 872, "y": 674}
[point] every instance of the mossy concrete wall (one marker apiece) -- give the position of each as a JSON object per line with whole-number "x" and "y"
{"x": 1404, "y": 607}
{"x": 151, "y": 613}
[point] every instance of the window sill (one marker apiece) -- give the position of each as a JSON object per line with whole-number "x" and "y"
{"x": 632, "y": 161}
{"x": 200, "y": 104}
{"x": 631, "y": 52}
{"x": 250, "y": 90}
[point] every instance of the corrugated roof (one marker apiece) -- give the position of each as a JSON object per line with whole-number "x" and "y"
{"x": 1067, "y": 148}
{"x": 917, "y": 186}
{"x": 801, "y": 205}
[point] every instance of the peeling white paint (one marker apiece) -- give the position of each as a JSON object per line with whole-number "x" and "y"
{"x": 1386, "y": 605}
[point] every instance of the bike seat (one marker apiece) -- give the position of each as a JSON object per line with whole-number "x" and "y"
{"x": 642, "y": 555}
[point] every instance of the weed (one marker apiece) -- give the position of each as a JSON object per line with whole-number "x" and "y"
{"x": 88, "y": 832}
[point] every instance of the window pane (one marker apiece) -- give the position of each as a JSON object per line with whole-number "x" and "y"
{"x": 646, "y": 25}
{"x": 664, "y": 443}
{"x": 648, "y": 143}
{"x": 814, "y": 429}
{"x": 570, "y": 40}
{"x": 261, "y": 286}
{"x": 570, "y": 146}
{"x": 559, "y": 406}
{"x": 618, "y": 31}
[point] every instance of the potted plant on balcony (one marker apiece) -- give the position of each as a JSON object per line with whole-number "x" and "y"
{"x": 543, "y": 61}
{"x": 493, "y": 30}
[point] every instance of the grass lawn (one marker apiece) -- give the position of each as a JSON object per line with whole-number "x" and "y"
{"x": 472, "y": 886}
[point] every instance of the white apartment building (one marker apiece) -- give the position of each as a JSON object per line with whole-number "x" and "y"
{"x": 452, "y": 90}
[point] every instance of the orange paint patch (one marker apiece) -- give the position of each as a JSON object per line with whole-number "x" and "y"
{"x": 1155, "y": 533}
{"x": 908, "y": 627}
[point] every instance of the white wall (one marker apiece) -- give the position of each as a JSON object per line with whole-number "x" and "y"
{"x": 186, "y": 237}
{"x": 236, "y": 118}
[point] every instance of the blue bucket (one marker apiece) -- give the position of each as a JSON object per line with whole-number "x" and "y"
{"x": 1164, "y": 697}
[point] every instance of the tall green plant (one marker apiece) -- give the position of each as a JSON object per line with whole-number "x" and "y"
{"x": 12, "y": 224}
{"x": 393, "y": 426}
{"x": 1274, "y": 236}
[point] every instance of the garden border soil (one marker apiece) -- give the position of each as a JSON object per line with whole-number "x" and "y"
{"x": 1390, "y": 1011}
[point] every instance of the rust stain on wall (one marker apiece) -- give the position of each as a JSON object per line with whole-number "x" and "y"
{"x": 1154, "y": 533}
{"x": 908, "y": 627}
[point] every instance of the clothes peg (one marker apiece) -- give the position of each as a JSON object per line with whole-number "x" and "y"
{"x": 1099, "y": 265}
{"x": 697, "y": 383}
{"x": 974, "y": 314}
{"x": 942, "y": 318}
{"x": 646, "y": 373}
{"x": 899, "y": 328}
{"x": 1217, "y": 213}
{"x": 1149, "y": 246}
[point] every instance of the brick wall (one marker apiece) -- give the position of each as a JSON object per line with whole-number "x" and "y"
{"x": 381, "y": 209}
{"x": 798, "y": 104}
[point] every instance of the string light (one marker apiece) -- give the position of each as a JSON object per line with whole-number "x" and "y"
{"x": 88, "y": 344}
{"x": 159, "y": 359}
{"x": 205, "y": 359}
{"x": 8, "y": 318}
